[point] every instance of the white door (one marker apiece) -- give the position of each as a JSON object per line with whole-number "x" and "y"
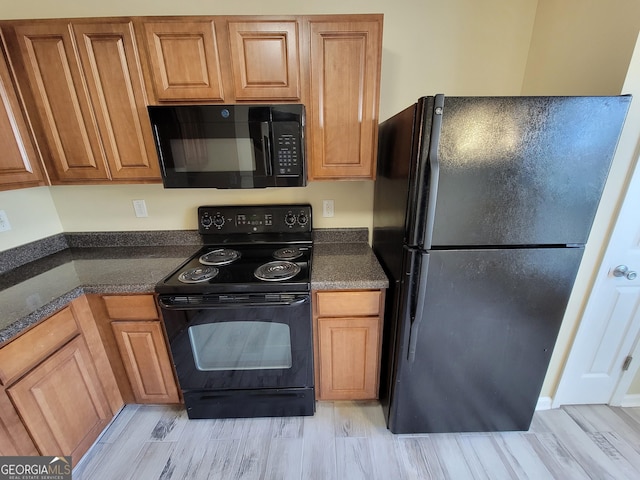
{"x": 610, "y": 326}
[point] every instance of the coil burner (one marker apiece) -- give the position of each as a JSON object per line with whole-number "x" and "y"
{"x": 276, "y": 271}
{"x": 198, "y": 274}
{"x": 287, "y": 253}
{"x": 220, "y": 256}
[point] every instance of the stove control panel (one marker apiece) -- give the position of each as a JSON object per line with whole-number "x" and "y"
{"x": 224, "y": 220}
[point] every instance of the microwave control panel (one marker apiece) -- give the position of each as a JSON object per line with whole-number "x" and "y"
{"x": 288, "y": 151}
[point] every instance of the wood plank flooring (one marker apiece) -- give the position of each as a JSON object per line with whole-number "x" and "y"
{"x": 349, "y": 440}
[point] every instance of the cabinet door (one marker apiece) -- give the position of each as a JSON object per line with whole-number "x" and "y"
{"x": 61, "y": 402}
{"x": 14, "y": 439}
{"x": 19, "y": 162}
{"x": 344, "y": 96}
{"x": 184, "y": 61}
{"x": 349, "y": 357}
{"x": 264, "y": 60}
{"x": 73, "y": 148}
{"x": 111, "y": 66}
{"x": 146, "y": 360}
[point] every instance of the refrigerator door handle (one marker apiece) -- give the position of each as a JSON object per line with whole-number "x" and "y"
{"x": 420, "y": 308}
{"x": 434, "y": 170}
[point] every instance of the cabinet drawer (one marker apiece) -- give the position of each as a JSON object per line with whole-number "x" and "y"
{"x": 342, "y": 303}
{"x": 131, "y": 307}
{"x": 27, "y": 351}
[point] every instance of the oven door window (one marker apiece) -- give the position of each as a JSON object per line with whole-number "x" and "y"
{"x": 241, "y": 346}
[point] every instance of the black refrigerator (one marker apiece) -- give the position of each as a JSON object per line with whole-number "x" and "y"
{"x": 482, "y": 207}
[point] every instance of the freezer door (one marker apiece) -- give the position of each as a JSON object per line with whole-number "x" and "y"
{"x": 475, "y": 337}
{"x": 517, "y": 170}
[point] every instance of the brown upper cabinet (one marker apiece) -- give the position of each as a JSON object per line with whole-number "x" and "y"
{"x": 342, "y": 113}
{"x": 183, "y": 59}
{"x": 20, "y": 159}
{"x": 226, "y": 59}
{"x": 264, "y": 59}
{"x": 110, "y": 62}
{"x": 87, "y": 93}
{"x": 330, "y": 63}
{"x": 86, "y": 83}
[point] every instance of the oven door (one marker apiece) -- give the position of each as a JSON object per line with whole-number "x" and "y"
{"x": 240, "y": 342}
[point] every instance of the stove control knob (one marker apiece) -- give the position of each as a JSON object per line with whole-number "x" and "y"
{"x": 218, "y": 220}
{"x": 290, "y": 219}
{"x": 302, "y": 219}
{"x": 206, "y": 221}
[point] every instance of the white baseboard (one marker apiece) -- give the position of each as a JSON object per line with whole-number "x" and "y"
{"x": 630, "y": 401}
{"x": 544, "y": 403}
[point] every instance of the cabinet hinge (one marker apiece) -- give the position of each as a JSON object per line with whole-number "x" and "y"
{"x": 627, "y": 362}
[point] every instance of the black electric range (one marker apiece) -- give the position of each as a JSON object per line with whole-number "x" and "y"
{"x": 238, "y": 314}
{"x": 247, "y": 249}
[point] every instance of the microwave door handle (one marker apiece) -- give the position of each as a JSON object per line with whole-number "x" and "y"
{"x": 266, "y": 148}
{"x": 159, "y": 149}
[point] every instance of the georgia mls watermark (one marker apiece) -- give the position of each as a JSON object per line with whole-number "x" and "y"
{"x": 35, "y": 468}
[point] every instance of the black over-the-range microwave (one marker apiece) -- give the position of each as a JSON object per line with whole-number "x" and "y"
{"x": 230, "y": 146}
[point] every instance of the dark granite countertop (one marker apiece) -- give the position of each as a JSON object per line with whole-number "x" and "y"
{"x": 70, "y": 265}
{"x": 346, "y": 266}
{"x": 34, "y": 291}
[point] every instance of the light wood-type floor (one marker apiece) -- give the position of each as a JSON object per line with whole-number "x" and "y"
{"x": 349, "y": 441}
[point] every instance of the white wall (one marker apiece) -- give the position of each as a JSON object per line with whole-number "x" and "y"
{"x": 109, "y": 207}
{"x": 31, "y": 214}
{"x": 584, "y": 47}
{"x": 581, "y": 47}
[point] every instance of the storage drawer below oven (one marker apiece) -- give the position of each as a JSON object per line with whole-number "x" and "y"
{"x": 281, "y": 402}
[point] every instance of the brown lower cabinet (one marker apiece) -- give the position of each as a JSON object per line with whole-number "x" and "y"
{"x": 14, "y": 438}
{"x": 347, "y": 339}
{"x": 62, "y": 381}
{"x": 143, "y": 354}
{"x": 62, "y": 403}
{"x": 55, "y": 388}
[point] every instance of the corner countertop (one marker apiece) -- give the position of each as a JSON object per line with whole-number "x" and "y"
{"x": 346, "y": 266}
{"x": 70, "y": 265}
{"x": 38, "y": 289}
{"x": 343, "y": 260}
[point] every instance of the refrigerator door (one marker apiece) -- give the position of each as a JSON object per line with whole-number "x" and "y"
{"x": 515, "y": 170}
{"x": 473, "y": 337}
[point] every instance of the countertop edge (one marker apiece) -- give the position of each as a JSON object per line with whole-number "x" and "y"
{"x": 21, "y": 325}
{"x": 349, "y": 285}
{"x": 330, "y": 278}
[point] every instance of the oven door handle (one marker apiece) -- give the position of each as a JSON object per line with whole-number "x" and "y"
{"x": 200, "y": 305}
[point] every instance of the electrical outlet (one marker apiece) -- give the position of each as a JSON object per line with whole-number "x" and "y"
{"x": 140, "y": 207}
{"x": 327, "y": 208}
{"x": 4, "y": 222}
